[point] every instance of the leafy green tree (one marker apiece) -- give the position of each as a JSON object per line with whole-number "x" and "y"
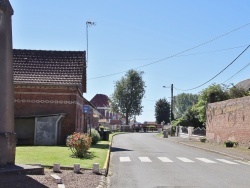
{"x": 162, "y": 111}
{"x": 128, "y": 94}
{"x": 183, "y": 102}
{"x": 214, "y": 93}
{"x": 190, "y": 118}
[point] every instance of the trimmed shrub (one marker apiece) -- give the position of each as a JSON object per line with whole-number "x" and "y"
{"x": 230, "y": 143}
{"x": 95, "y": 136}
{"x": 79, "y": 144}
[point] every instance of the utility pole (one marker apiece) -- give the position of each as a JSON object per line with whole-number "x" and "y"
{"x": 172, "y": 102}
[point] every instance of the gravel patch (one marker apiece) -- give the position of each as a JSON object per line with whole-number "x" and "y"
{"x": 86, "y": 178}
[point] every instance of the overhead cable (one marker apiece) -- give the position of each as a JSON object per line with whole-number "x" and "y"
{"x": 177, "y": 54}
{"x": 216, "y": 74}
{"x": 236, "y": 73}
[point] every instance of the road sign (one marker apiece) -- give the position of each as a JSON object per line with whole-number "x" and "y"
{"x": 86, "y": 109}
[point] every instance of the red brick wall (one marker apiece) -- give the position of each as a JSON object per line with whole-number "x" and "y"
{"x": 229, "y": 120}
{"x": 45, "y": 100}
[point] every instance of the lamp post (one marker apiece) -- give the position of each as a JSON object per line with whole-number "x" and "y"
{"x": 88, "y": 23}
{"x": 172, "y": 101}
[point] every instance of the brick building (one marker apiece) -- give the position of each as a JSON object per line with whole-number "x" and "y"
{"x": 101, "y": 102}
{"x": 48, "y": 95}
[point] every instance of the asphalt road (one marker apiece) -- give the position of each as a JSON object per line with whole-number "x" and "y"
{"x": 144, "y": 161}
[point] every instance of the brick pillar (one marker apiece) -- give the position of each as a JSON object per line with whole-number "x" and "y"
{"x": 7, "y": 135}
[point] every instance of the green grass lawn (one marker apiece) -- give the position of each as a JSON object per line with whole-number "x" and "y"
{"x": 48, "y": 155}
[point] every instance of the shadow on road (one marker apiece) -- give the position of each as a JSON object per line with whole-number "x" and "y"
{"x": 114, "y": 149}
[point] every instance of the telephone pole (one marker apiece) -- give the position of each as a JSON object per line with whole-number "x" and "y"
{"x": 172, "y": 102}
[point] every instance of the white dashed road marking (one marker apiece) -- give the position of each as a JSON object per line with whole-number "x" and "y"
{"x": 165, "y": 159}
{"x": 125, "y": 159}
{"x": 145, "y": 159}
{"x": 206, "y": 160}
{"x": 226, "y": 161}
{"x": 247, "y": 163}
{"x": 186, "y": 160}
{"x": 183, "y": 159}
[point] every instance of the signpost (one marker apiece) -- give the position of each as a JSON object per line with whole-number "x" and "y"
{"x": 86, "y": 111}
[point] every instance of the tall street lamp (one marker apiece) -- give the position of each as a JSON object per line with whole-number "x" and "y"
{"x": 88, "y": 24}
{"x": 172, "y": 101}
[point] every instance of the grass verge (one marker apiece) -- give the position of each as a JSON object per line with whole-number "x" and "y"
{"x": 48, "y": 155}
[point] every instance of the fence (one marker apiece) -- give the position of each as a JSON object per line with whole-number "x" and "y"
{"x": 193, "y": 132}
{"x": 199, "y": 131}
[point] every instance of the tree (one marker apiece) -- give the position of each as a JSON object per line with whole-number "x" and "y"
{"x": 128, "y": 94}
{"x": 189, "y": 119}
{"x": 214, "y": 93}
{"x": 183, "y": 102}
{"x": 162, "y": 111}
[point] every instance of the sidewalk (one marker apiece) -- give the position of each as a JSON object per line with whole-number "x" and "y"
{"x": 238, "y": 153}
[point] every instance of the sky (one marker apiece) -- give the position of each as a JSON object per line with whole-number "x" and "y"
{"x": 184, "y": 43}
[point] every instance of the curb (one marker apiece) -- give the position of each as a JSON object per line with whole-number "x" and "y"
{"x": 103, "y": 180}
{"x": 210, "y": 150}
{"x": 106, "y": 164}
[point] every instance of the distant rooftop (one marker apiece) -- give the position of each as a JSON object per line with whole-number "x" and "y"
{"x": 100, "y": 100}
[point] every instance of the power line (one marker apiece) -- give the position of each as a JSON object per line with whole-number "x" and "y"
{"x": 199, "y": 53}
{"x": 218, "y": 73}
{"x": 213, "y": 51}
{"x": 177, "y": 54}
{"x": 236, "y": 73}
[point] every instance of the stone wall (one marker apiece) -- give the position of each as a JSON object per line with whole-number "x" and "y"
{"x": 229, "y": 120}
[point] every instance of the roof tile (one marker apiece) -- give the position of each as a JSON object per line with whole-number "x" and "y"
{"x": 49, "y": 67}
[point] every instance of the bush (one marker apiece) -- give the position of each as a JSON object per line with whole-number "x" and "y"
{"x": 79, "y": 144}
{"x": 203, "y": 139}
{"x": 95, "y": 136}
{"x": 173, "y": 129}
{"x": 230, "y": 143}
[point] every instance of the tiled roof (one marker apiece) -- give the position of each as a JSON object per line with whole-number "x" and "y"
{"x": 39, "y": 67}
{"x": 100, "y": 100}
